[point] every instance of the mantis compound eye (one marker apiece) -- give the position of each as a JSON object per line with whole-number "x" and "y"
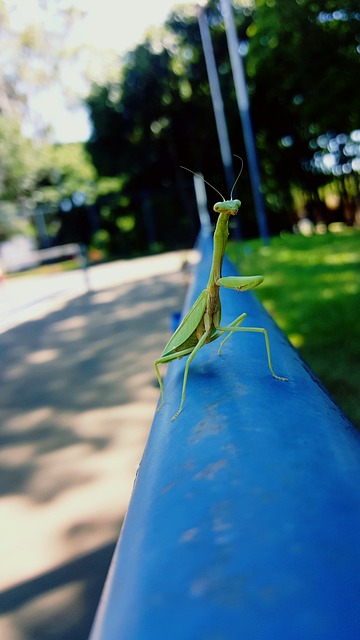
{"x": 236, "y": 204}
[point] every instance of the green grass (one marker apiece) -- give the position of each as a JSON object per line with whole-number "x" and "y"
{"x": 311, "y": 288}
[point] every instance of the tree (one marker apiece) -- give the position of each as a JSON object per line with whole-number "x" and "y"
{"x": 36, "y": 57}
{"x": 158, "y": 115}
{"x": 139, "y": 133}
{"x": 16, "y": 160}
{"x": 302, "y": 62}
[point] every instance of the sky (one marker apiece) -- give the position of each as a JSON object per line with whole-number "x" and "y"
{"x": 111, "y": 24}
{"x": 108, "y": 24}
{"x": 122, "y": 23}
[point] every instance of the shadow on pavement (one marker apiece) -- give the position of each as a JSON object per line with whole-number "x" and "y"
{"x": 46, "y": 606}
{"x": 77, "y": 396}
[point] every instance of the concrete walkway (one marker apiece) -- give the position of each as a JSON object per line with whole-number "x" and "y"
{"x": 77, "y": 396}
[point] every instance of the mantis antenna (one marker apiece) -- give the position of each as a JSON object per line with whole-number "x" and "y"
{"x": 238, "y": 176}
{"x": 210, "y": 185}
{"x": 202, "y": 178}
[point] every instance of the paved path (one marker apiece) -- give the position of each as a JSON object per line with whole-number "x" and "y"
{"x": 77, "y": 396}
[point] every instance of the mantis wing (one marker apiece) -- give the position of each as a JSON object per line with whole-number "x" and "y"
{"x": 187, "y": 327}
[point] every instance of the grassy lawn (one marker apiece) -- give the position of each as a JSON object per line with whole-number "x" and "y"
{"x": 311, "y": 288}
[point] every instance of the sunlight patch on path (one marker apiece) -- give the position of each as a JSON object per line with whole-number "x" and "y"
{"x": 67, "y": 488}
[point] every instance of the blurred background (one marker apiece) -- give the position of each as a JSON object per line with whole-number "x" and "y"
{"x": 101, "y": 103}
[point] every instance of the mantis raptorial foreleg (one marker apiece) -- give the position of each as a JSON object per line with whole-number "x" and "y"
{"x": 202, "y": 323}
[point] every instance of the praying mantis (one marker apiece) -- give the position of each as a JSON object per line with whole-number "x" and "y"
{"x": 202, "y": 324}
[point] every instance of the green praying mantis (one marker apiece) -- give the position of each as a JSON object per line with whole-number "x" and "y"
{"x": 202, "y": 324}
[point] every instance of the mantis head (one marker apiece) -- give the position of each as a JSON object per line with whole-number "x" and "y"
{"x": 230, "y": 207}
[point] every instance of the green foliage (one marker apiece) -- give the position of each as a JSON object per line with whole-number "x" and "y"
{"x": 41, "y": 172}
{"x": 301, "y": 66}
{"x": 149, "y": 122}
{"x": 16, "y": 160}
{"x": 312, "y": 289}
{"x": 302, "y": 62}
{"x": 61, "y": 171}
{"x": 36, "y": 51}
{"x": 33, "y": 175}
{"x": 11, "y": 221}
{"x": 144, "y": 129}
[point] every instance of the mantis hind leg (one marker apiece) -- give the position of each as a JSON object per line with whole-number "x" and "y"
{"x": 232, "y": 328}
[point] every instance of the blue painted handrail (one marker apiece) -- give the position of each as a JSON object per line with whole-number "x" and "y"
{"x": 244, "y": 522}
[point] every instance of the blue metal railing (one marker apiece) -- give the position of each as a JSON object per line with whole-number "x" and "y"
{"x": 245, "y": 517}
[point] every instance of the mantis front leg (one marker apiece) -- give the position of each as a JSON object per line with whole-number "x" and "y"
{"x": 164, "y": 360}
{"x": 189, "y": 360}
{"x": 191, "y": 351}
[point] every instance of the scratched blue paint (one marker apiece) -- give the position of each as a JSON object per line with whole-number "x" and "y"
{"x": 245, "y": 518}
